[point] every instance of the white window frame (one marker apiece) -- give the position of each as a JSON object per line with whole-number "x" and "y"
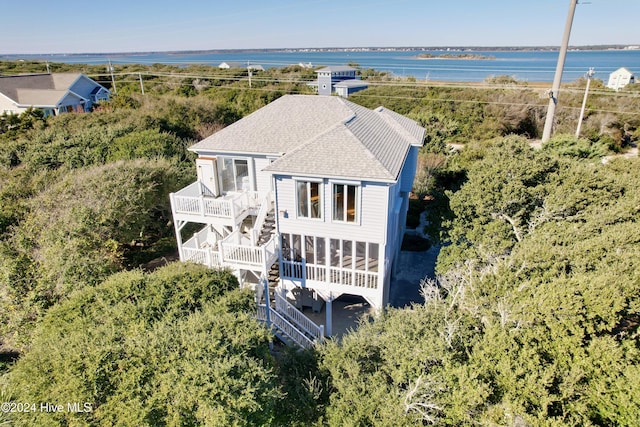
{"x": 320, "y": 201}
{"x": 358, "y": 201}
{"x": 237, "y": 187}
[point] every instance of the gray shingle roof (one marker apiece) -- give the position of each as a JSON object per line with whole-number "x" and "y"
{"x": 335, "y": 69}
{"x": 351, "y": 83}
{"x": 23, "y": 88}
{"x": 321, "y": 136}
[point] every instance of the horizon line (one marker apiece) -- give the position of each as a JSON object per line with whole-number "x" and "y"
{"x": 329, "y": 48}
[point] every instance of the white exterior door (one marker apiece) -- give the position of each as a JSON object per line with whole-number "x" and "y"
{"x": 208, "y": 174}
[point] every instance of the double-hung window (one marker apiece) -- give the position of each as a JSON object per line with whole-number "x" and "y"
{"x": 345, "y": 202}
{"x": 309, "y": 199}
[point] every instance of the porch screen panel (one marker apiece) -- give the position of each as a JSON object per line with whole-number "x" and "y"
{"x": 335, "y": 253}
{"x": 361, "y": 256}
{"x": 309, "y": 249}
{"x": 347, "y": 253}
{"x": 296, "y": 246}
{"x": 372, "y": 260}
{"x": 321, "y": 251}
{"x": 286, "y": 247}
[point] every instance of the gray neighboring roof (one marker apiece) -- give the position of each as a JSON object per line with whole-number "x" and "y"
{"x": 335, "y": 69}
{"x": 39, "y": 89}
{"x": 41, "y": 98}
{"x": 351, "y": 83}
{"x": 322, "y": 136}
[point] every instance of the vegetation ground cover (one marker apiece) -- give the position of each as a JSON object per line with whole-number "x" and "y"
{"x": 532, "y": 320}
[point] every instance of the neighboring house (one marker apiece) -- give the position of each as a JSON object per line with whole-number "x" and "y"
{"x": 227, "y": 65}
{"x": 53, "y": 93}
{"x": 339, "y": 79}
{"x": 620, "y": 78}
{"x": 252, "y": 67}
{"x": 309, "y": 195}
{"x": 347, "y": 87}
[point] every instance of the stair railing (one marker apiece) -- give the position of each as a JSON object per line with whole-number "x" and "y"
{"x": 265, "y": 207}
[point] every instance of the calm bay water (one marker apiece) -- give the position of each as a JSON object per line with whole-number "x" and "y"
{"x": 522, "y": 65}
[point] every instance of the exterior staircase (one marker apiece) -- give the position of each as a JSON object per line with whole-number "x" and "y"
{"x": 268, "y": 227}
{"x": 287, "y": 323}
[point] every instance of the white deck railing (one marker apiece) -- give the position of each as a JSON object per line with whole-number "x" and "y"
{"x": 202, "y": 249}
{"x": 196, "y": 199}
{"x": 333, "y": 275}
{"x": 237, "y": 249}
{"x": 207, "y": 257}
{"x": 284, "y": 327}
{"x": 296, "y": 317}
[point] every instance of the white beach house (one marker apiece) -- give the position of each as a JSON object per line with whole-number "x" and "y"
{"x": 309, "y": 193}
{"x": 620, "y": 78}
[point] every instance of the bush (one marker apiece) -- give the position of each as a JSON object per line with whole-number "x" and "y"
{"x": 82, "y": 228}
{"x": 179, "y": 346}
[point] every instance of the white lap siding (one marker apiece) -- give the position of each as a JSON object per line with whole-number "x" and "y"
{"x": 369, "y": 231}
{"x": 372, "y": 212}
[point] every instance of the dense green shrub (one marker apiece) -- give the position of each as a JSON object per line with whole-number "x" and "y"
{"x": 175, "y": 347}
{"x": 89, "y": 224}
{"x": 534, "y": 317}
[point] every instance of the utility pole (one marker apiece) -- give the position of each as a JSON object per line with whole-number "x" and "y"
{"x": 113, "y": 79}
{"x": 250, "y": 71}
{"x": 141, "y": 85}
{"x": 584, "y": 102}
{"x": 553, "y": 95}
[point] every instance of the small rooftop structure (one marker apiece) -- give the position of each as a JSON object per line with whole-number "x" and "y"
{"x": 339, "y": 79}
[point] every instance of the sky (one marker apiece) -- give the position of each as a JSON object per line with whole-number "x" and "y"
{"x": 72, "y": 26}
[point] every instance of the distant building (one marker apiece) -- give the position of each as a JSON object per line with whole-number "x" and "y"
{"x": 347, "y": 87}
{"x": 228, "y": 65}
{"x": 53, "y": 93}
{"x": 339, "y": 79}
{"x": 620, "y": 78}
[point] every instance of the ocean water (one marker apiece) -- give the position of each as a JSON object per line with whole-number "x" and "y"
{"x": 535, "y": 66}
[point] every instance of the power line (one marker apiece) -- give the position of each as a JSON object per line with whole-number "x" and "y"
{"x": 406, "y": 85}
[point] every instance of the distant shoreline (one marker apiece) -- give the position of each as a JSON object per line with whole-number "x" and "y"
{"x": 447, "y": 49}
{"x": 460, "y": 56}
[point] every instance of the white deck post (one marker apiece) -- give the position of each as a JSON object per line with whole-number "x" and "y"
{"x": 265, "y": 285}
{"x": 177, "y": 227}
{"x": 328, "y": 321}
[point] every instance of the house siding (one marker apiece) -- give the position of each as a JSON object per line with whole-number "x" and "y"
{"x": 409, "y": 169}
{"x": 263, "y": 179}
{"x": 8, "y": 105}
{"x": 620, "y": 78}
{"x": 372, "y": 213}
